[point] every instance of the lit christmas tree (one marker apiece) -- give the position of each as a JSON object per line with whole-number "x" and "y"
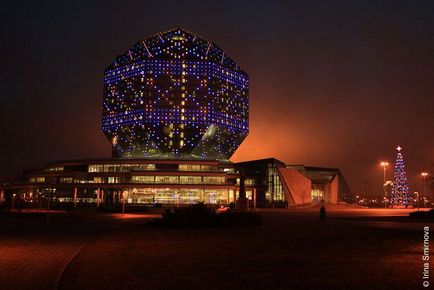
{"x": 400, "y": 191}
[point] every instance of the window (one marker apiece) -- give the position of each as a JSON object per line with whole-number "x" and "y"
{"x": 40, "y": 179}
{"x": 209, "y": 168}
{"x": 249, "y": 181}
{"x": 143, "y": 179}
{"x": 65, "y": 180}
{"x": 98, "y": 180}
{"x": 120, "y": 167}
{"x": 113, "y": 179}
{"x": 190, "y": 179}
{"x": 166, "y": 179}
{"x": 189, "y": 167}
{"x": 213, "y": 179}
{"x": 96, "y": 168}
{"x": 146, "y": 167}
{"x": 112, "y": 168}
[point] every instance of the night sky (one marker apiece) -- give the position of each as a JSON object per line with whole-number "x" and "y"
{"x": 332, "y": 83}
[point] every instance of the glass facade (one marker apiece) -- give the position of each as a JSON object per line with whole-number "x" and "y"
{"x": 179, "y": 179}
{"x": 145, "y": 182}
{"x": 65, "y": 180}
{"x": 317, "y": 193}
{"x": 174, "y": 196}
{"x": 120, "y": 167}
{"x": 274, "y": 190}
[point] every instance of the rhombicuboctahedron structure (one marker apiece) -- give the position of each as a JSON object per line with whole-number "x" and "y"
{"x": 175, "y": 95}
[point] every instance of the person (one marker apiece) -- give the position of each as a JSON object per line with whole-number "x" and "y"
{"x": 322, "y": 213}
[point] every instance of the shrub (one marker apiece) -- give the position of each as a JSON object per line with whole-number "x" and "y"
{"x": 423, "y": 214}
{"x": 195, "y": 216}
{"x": 202, "y": 216}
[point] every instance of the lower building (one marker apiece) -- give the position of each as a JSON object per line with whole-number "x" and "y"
{"x": 277, "y": 183}
{"x": 146, "y": 182}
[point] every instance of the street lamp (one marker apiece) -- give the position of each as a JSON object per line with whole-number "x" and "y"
{"x": 384, "y": 164}
{"x": 424, "y": 175}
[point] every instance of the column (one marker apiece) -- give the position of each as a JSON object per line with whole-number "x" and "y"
{"x": 102, "y": 197}
{"x": 75, "y": 197}
{"x": 97, "y": 197}
{"x": 228, "y": 199}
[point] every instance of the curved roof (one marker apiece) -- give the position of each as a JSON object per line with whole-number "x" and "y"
{"x": 175, "y": 44}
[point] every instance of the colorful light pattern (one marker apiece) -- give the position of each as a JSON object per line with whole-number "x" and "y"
{"x": 175, "y": 95}
{"x": 400, "y": 191}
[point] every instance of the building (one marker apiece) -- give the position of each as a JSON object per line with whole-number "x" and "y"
{"x": 112, "y": 181}
{"x": 175, "y": 96}
{"x": 276, "y": 183}
{"x": 175, "y": 109}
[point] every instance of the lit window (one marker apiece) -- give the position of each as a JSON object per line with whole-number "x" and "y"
{"x": 113, "y": 179}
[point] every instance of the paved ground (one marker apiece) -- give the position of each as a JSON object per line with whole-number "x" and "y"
{"x": 33, "y": 254}
{"x": 352, "y": 249}
{"x": 35, "y": 262}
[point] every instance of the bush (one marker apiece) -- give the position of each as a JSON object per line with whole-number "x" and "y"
{"x": 423, "y": 214}
{"x": 195, "y": 216}
{"x": 202, "y": 216}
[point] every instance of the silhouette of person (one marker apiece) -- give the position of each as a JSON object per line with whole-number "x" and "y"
{"x": 322, "y": 213}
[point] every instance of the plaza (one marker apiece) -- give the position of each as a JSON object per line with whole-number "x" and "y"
{"x": 354, "y": 248}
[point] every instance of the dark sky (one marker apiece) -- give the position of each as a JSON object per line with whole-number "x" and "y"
{"x": 333, "y": 83}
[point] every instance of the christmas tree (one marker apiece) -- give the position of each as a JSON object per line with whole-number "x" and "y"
{"x": 400, "y": 191}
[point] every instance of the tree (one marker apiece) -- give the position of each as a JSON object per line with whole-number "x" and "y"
{"x": 400, "y": 191}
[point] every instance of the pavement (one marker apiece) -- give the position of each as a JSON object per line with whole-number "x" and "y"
{"x": 35, "y": 262}
{"x": 34, "y": 253}
{"x": 66, "y": 252}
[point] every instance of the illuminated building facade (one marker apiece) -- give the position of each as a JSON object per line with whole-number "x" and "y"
{"x": 277, "y": 183}
{"x": 175, "y": 109}
{"x": 175, "y": 96}
{"x": 114, "y": 182}
{"x": 110, "y": 182}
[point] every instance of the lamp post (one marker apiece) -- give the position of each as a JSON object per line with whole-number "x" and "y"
{"x": 384, "y": 164}
{"x": 124, "y": 193}
{"x": 424, "y": 175}
{"x": 417, "y": 196}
